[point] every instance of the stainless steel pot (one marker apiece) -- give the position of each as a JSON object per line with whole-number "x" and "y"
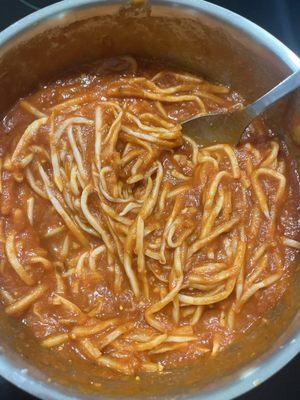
{"x": 201, "y": 37}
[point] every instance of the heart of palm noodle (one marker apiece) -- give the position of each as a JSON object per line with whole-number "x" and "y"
{"x": 125, "y": 242}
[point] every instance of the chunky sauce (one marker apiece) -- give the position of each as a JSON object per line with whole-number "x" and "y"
{"x": 126, "y": 244}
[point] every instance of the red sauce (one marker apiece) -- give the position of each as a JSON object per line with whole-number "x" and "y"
{"x": 79, "y": 279}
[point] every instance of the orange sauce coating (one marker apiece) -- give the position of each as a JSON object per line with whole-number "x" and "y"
{"x": 126, "y": 243}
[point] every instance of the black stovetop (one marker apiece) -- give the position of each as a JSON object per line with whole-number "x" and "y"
{"x": 282, "y": 19}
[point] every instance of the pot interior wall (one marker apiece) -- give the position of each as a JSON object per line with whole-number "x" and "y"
{"x": 196, "y": 42}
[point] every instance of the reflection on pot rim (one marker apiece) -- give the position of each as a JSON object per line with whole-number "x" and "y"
{"x": 249, "y": 377}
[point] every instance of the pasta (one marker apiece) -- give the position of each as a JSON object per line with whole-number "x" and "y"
{"x": 139, "y": 242}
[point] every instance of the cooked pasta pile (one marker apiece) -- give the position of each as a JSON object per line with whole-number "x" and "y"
{"x": 124, "y": 240}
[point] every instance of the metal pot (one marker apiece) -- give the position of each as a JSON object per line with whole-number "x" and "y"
{"x": 197, "y": 36}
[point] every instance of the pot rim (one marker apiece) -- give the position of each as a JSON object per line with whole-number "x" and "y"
{"x": 250, "y": 377}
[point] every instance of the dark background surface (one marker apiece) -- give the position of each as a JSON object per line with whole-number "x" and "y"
{"x": 282, "y": 19}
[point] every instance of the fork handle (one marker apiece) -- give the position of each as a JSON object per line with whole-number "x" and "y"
{"x": 285, "y": 87}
